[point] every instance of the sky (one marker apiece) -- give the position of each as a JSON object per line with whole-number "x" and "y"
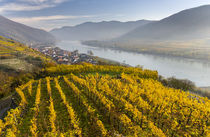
{"x": 49, "y": 14}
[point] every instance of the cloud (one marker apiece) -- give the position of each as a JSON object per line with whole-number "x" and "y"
{"x": 47, "y": 18}
{"x": 42, "y": 1}
{"x": 49, "y": 22}
{"x": 30, "y": 5}
{"x": 23, "y": 7}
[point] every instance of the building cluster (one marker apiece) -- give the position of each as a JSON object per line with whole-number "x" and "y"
{"x": 66, "y": 57}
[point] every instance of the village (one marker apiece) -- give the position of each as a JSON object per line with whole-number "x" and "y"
{"x": 67, "y": 57}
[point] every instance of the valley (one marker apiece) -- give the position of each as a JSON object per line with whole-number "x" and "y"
{"x": 76, "y": 68}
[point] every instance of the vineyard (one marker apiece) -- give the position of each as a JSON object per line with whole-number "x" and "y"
{"x": 90, "y": 100}
{"x": 17, "y": 62}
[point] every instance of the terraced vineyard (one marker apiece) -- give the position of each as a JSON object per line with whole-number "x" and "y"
{"x": 88, "y": 100}
{"x": 17, "y": 60}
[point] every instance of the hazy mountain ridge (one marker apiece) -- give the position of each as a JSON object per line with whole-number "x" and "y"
{"x": 97, "y": 30}
{"x": 185, "y": 25}
{"x": 184, "y": 34}
{"x": 25, "y": 34}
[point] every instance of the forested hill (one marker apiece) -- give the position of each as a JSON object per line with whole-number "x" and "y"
{"x": 102, "y": 101}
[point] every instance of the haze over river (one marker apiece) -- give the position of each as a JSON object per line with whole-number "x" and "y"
{"x": 182, "y": 68}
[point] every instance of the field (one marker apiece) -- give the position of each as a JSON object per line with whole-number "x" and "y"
{"x": 17, "y": 64}
{"x": 88, "y": 100}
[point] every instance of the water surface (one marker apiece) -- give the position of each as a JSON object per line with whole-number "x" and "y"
{"x": 182, "y": 68}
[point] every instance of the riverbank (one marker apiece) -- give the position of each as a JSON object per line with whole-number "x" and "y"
{"x": 150, "y": 51}
{"x": 103, "y": 61}
{"x": 62, "y": 56}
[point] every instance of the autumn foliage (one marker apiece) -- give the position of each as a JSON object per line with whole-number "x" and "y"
{"x": 91, "y": 100}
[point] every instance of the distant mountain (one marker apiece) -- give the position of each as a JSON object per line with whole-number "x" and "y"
{"x": 97, "y": 31}
{"x": 185, "y": 34}
{"x": 24, "y": 34}
{"x": 186, "y": 25}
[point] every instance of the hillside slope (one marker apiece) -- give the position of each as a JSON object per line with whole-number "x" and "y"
{"x": 16, "y": 60}
{"x": 97, "y": 31}
{"x": 92, "y": 100}
{"x": 24, "y": 34}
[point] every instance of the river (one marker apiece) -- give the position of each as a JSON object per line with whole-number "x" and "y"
{"x": 182, "y": 68}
